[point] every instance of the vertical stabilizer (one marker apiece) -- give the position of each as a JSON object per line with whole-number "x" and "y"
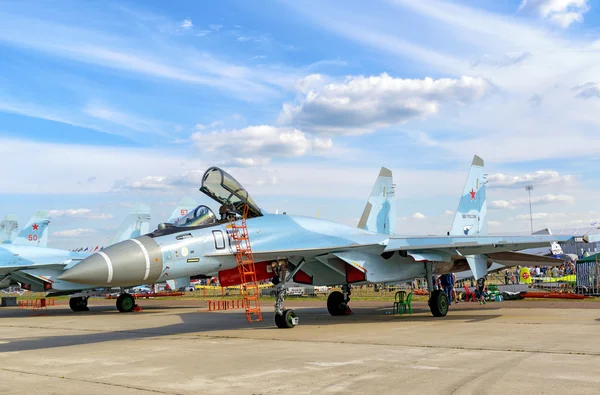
{"x": 35, "y": 232}
{"x": 470, "y": 219}
{"x": 135, "y": 224}
{"x": 8, "y": 228}
{"x": 185, "y": 205}
{"x": 379, "y": 214}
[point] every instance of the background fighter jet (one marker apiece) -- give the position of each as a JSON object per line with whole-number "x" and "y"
{"x": 35, "y": 232}
{"x": 29, "y": 263}
{"x": 8, "y": 228}
{"x": 306, "y": 250}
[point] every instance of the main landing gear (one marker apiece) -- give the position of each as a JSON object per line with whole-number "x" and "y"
{"x": 337, "y": 302}
{"x": 284, "y": 318}
{"x": 79, "y": 303}
{"x": 125, "y": 303}
{"x": 438, "y": 303}
{"x": 438, "y": 300}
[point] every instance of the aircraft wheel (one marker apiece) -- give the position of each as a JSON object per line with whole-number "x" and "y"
{"x": 438, "y": 303}
{"x": 289, "y": 319}
{"x": 125, "y": 303}
{"x": 78, "y": 304}
{"x": 279, "y": 320}
{"x": 335, "y": 304}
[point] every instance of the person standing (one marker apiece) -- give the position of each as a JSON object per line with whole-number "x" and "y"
{"x": 481, "y": 290}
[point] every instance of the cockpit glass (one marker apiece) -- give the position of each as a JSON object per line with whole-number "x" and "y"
{"x": 225, "y": 189}
{"x": 201, "y": 215}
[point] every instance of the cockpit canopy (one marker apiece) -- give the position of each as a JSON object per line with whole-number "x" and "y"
{"x": 225, "y": 189}
{"x": 201, "y": 215}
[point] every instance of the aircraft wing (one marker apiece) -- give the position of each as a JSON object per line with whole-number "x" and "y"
{"x": 472, "y": 245}
{"x": 421, "y": 248}
{"x": 4, "y": 270}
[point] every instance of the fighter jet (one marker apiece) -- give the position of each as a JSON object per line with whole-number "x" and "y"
{"x": 8, "y": 228}
{"x": 304, "y": 249}
{"x": 36, "y": 267}
{"x": 35, "y": 232}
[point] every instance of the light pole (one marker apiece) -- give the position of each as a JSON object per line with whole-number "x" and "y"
{"x": 529, "y": 188}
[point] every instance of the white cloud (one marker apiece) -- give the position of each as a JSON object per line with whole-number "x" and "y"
{"x": 535, "y": 216}
{"x": 494, "y": 223}
{"x": 418, "y": 216}
{"x": 560, "y": 12}
{"x": 187, "y": 24}
{"x": 258, "y": 143}
{"x": 535, "y": 200}
{"x": 79, "y": 213}
{"x": 540, "y": 177}
{"x": 74, "y": 232}
{"x": 448, "y": 212}
{"x": 200, "y": 126}
{"x": 361, "y": 104}
{"x": 215, "y": 27}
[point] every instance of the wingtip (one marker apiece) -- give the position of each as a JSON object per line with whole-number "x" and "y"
{"x": 477, "y": 161}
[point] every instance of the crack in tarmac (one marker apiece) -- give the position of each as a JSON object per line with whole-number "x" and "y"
{"x": 130, "y": 387}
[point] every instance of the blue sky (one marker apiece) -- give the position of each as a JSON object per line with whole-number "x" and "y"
{"x": 107, "y": 104}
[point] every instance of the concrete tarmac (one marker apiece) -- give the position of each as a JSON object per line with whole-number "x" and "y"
{"x": 178, "y": 347}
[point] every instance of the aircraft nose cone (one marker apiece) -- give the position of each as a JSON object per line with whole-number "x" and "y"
{"x": 131, "y": 262}
{"x": 92, "y": 270}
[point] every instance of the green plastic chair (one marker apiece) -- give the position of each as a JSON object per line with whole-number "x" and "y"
{"x": 406, "y": 305}
{"x": 398, "y": 300}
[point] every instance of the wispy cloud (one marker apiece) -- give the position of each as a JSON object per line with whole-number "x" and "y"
{"x": 186, "y": 24}
{"x": 79, "y": 213}
{"x": 139, "y": 54}
{"x": 539, "y": 178}
{"x": 79, "y": 232}
{"x": 535, "y": 200}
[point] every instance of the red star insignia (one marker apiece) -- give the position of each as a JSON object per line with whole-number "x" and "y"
{"x": 473, "y": 193}
{"x": 35, "y": 226}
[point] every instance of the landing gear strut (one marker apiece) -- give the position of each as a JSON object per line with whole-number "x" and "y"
{"x": 337, "y": 302}
{"x": 284, "y": 318}
{"x": 125, "y": 303}
{"x": 79, "y": 303}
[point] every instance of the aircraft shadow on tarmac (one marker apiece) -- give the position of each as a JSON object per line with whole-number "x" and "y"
{"x": 203, "y": 322}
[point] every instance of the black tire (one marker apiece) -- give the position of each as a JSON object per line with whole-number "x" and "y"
{"x": 125, "y": 303}
{"x": 78, "y": 304}
{"x": 335, "y": 304}
{"x": 288, "y": 319}
{"x": 279, "y": 321}
{"x": 438, "y": 303}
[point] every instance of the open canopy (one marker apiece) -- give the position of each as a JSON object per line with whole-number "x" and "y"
{"x": 225, "y": 189}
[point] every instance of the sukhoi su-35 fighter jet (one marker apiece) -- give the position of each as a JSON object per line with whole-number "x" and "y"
{"x": 308, "y": 250}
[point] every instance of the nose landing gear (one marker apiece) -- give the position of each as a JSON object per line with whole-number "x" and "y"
{"x": 125, "y": 303}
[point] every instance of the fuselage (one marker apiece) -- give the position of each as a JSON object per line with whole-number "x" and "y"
{"x": 325, "y": 248}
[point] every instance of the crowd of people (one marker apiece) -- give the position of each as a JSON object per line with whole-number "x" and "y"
{"x": 512, "y": 276}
